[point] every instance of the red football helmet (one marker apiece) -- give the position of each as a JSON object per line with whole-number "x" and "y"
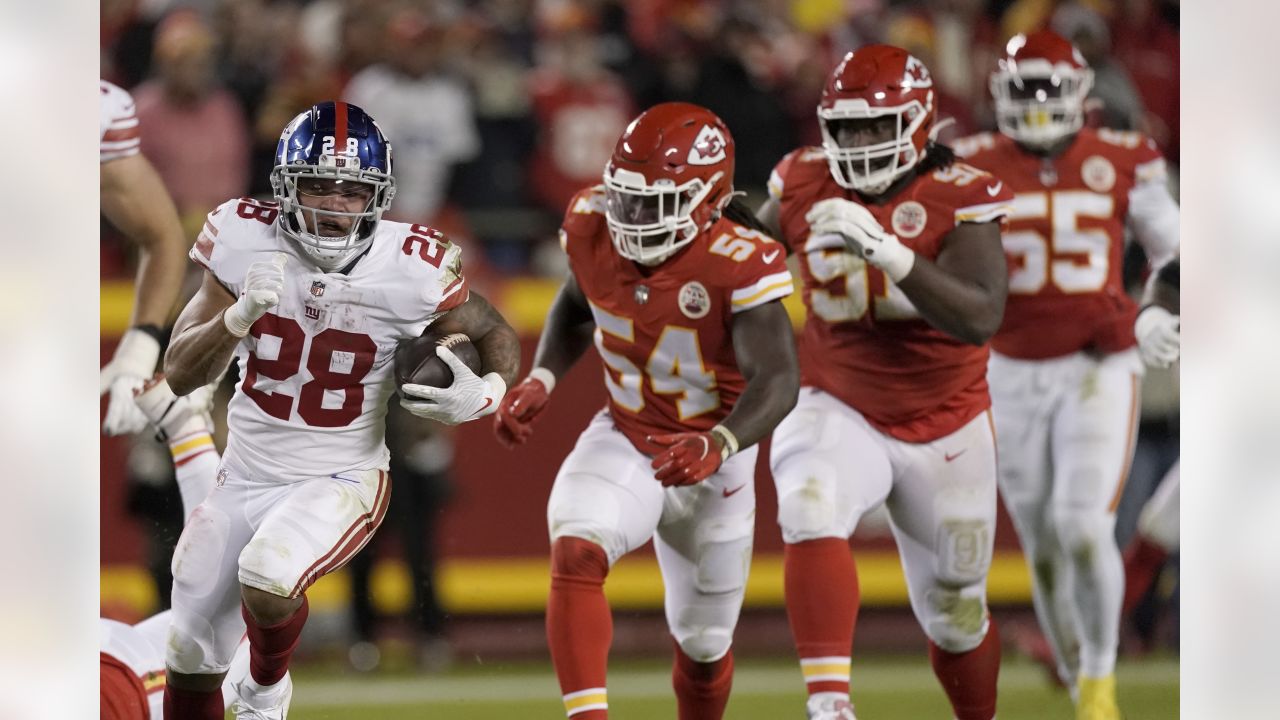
{"x": 873, "y": 82}
{"x": 1039, "y": 88}
{"x": 670, "y": 175}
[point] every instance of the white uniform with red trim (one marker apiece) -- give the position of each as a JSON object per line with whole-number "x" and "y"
{"x": 303, "y": 482}
{"x": 118, "y": 122}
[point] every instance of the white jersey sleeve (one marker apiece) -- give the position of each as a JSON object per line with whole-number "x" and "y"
{"x": 317, "y": 370}
{"x": 118, "y": 122}
{"x": 1153, "y": 213}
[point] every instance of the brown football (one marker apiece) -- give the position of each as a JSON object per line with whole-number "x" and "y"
{"x": 416, "y": 361}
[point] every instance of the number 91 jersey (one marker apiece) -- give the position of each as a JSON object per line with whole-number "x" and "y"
{"x": 864, "y": 342}
{"x": 665, "y": 334}
{"x": 317, "y": 370}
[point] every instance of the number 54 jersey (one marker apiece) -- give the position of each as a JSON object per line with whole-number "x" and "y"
{"x": 864, "y": 342}
{"x": 665, "y": 334}
{"x": 317, "y": 370}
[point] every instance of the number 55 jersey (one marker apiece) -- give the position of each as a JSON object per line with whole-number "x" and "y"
{"x": 666, "y": 335}
{"x": 316, "y": 371}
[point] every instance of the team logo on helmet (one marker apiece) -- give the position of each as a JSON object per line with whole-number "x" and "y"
{"x": 694, "y": 300}
{"x": 909, "y": 219}
{"x": 708, "y": 147}
{"x": 1098, "y": 173}
{"x": 916, "y": 75}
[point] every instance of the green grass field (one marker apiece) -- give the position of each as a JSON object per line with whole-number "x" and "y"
{"x": 883, "y": 689}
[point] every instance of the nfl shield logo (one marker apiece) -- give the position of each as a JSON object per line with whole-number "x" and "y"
{"x": 317, "y": 288}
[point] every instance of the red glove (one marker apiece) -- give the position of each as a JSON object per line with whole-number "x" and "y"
{"x": 689, "y": 457}
{"x": 513, "y": 423}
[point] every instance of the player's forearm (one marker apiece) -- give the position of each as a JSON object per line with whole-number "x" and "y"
{"x": 961, "y": 308}
{"x": 158, "y": 282}
{"x": 198, "y": 354}
{"x": 566, "y": 335}
{"x": 763, "y": 404}
{"x": 499, "y": 351}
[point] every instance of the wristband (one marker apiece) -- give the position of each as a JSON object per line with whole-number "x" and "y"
{"x": 156, "y": 332}
{"x": 896, "y": 259}
{"x": 234, "y": 321}
{"x": 728, "y": 438}
{"x": 544, "y": 376}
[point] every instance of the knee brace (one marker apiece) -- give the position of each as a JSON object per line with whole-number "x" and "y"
{"x": 724, "y": 555}
{"x": 191, "y": 653}
{"x": 956, "y": 617}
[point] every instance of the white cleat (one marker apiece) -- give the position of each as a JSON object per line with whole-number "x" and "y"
{"x": 828, "y": 708}
{"x": 175, "y": 416}
{"x": 270, "y": 703}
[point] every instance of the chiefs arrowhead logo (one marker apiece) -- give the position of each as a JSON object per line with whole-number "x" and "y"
{"x": 708, "y": 148}
{"x": 916, "y": 75}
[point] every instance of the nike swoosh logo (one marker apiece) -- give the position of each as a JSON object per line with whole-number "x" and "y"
{"x": 949, "y": 457}
{"x": 485, "y": 406}
{"x": 992, "y": 190}
{"x": 727, "y": 492}
{"x": 768, "y": 257}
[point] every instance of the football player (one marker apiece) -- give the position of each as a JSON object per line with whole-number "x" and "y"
{"x": 311, "y": 293}
{"x": 135, "y": 201}
{"x": 681, "y": 295}
{"x": 1159, "y": 335}
{"x": 1064, "y": 371}
{"x": 904, "y": 283}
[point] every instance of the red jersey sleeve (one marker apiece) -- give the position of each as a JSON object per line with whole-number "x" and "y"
{"x": 759, "y": 271}
{"x": 980, "y": 197}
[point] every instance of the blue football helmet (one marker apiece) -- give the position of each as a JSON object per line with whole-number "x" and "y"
{"x": 337, "y": 141}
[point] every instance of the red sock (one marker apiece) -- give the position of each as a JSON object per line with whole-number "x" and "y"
{"x": 271, "y": 646}
{"x": 579, "y": 623}
{"x": 969, "y": 678}
{"x": 191, "y": 704}
{"x": 702, "y": 689}
{"x": 821, "y": 584}
{"x": 1142, "y": 563}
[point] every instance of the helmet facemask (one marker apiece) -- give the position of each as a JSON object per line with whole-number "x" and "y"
{"x": 872, "y": 168}
{"x": 648, "y": 223}
{"x": 1040, "y": 103}
{"x": 330, "y": 252}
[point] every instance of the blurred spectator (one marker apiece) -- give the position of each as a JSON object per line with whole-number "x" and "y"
{"x": 1146, "y": 42}
{"x": 195, "y": 130}
{"x": 1087, "y": 29}
{"x": 420, "y": 457}
{"x": 426, "y": 113}
{"x": 581, "y": 109}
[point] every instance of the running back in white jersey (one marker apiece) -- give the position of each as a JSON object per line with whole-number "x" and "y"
{"x": 317, "y": 370}
{"x": 118, "y": 124}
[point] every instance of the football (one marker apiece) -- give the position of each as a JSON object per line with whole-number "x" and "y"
{"x": 416, "y": 361}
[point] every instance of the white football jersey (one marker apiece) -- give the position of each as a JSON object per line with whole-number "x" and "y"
{"x": 119, "y": 124}
{"x": 317, "y": 370}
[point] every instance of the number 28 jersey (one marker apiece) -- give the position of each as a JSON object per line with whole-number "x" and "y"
{"x": 317, "y": 370}
{"x": 864, "y": 342}
{"x": 666, "y": 336}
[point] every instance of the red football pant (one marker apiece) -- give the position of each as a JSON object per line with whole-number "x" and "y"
{"x": 579, "y": 623}
{"x": 821, "y": 586}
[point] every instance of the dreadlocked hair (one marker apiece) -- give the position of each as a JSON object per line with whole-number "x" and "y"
{"x": 738, "y": 211}
{"x": 937, "y": 157}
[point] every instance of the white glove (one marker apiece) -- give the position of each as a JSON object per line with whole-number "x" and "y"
{"x": 864, "y": 235}
{"x": 134, "y": 362}
{"x": 1159, "y": 334}
{"x": 263, "y": 284}
{"x": 469, "y": 397}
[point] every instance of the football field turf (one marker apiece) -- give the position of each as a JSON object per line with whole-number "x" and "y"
{"x": 884, "y": 689}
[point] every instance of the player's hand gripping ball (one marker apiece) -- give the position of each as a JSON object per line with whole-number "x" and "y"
{"x": 416, "y": 361}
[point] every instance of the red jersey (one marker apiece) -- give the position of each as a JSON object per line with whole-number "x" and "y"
{"x": 1065, "y": 241}
{"x": 864, "y": 342}
{"x": 665, "y": 334}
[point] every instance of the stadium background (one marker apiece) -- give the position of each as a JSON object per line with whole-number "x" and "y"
{"x": 546, "y": 86}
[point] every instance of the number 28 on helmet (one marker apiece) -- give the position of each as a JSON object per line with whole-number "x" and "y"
{"x": 336, "y": 146}
{"x": 670, "y": 175}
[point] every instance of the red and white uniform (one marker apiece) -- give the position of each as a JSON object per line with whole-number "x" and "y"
{"x": 665, "y": 337}
{"x": 1065, "y": 372}
{"x": 863, "y": 342}
{"x": 303, "y": 483}
{"x": 132, "y": 676}
{"x": 118, "y": 122}
{"x": 1066, "y": 235}
{"x": 891, "y": 410}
